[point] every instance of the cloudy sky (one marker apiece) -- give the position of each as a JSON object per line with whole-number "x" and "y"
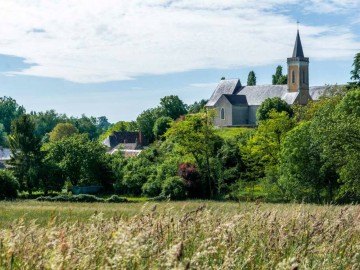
{"x": 117, "y": 58}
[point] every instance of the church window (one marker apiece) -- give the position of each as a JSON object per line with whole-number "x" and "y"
{"x": 222, "y": 114}
{"x": 293, "y": 76}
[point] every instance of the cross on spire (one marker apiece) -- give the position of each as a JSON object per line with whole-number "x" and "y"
{"x": 297, "y": 22}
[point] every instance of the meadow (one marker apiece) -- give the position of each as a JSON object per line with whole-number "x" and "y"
{"x": 178, "y": 235}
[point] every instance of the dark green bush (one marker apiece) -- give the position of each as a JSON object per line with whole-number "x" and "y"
{"x": 174, "y": 187}
{"x": 8, "y": 185}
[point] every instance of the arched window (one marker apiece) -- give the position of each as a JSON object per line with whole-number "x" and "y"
{"x": 222, "y": 114}
{"x": 293, "y": 76}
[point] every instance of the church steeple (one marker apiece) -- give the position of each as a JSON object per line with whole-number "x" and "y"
{"x": 298, "y": 50}
{"x": 298, "y": 72}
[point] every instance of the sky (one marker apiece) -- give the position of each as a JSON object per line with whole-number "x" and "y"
{"x": 116, "y": 58}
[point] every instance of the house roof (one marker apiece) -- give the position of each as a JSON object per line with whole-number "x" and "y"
{"x": 255, "y": 95}
{"x": 236, "y": 99}
{"x": 5, "y": 154}
{"x": 224, "y": 87}
{"x": 298, "y": 50}
{"x": 123, "y": 137}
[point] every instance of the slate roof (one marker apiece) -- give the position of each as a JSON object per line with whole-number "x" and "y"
{"x": 124, "y": 137}
{"x": 5, "y": 154}
{"x": 224, "y": 87}
{"x": 255, "y": 95}
{"x": 298, "y": 50}
{"x": 237, "y": 99}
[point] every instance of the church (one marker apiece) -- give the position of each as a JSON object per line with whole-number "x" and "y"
{"x": 236, "y": 105}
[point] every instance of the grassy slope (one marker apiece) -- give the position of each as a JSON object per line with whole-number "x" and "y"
{"x": 231, "y": 132}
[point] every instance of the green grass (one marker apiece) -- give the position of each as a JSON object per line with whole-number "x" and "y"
{"x": 178, "y": 235}
{"x": 231, "y": 132}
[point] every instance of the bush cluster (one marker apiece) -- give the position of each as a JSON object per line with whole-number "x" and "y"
{"x": 8, "y": 185}
{"x": 81, "y": 198}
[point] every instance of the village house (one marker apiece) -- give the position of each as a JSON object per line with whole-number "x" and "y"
{"x": 236, "y": 105}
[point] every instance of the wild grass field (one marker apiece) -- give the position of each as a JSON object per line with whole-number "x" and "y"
{"x": 178, "y": 235}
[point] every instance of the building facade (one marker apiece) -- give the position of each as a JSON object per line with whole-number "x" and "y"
{"x": 236, "y": 105}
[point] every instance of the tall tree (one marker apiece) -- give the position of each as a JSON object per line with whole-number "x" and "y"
{"x": 355, "y": 73}
{"x": 26, "y": 155}
{"x": 278, "y": 77}
{"x": 3, "y": 137}
{"x": 9, "y": 110}
{"x": 172, "y": 106}
{"x": 195, "y": 136}
{"x": 146, "y": 121}
{"x": 251, "y": 78}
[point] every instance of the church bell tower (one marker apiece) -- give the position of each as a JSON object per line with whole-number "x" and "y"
{"x": 298, "y": 73}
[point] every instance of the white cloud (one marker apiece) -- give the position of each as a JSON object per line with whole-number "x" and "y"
{"x": 210, "y": 85}
{"x": 96, "y": 41}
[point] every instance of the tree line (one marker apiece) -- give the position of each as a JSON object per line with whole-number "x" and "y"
{"x": 303, "y": 153}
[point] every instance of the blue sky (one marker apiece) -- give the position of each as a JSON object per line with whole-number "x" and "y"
{"x": 117, "y": 58}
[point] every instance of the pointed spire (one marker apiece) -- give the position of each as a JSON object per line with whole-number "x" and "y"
{"x": 298, "y": 50}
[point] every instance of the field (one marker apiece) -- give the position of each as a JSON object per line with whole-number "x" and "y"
{"x": 178, "y": 235}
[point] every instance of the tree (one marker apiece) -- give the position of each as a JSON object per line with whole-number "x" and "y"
{"x": 9, "y": 110}
{"x": 46, "y": 121}
{"x": 270, "y": 104}
{"x": 86, "y": 125}
{"x": 161, "y": 126}
{"x": 146, "y": 121}
{"x": 262, "y": 150}
{"x": 103, "y": 123}
{"x": 172, "y": 106}
{"x": 26, "y": 156}
{"x": 197, "y": 107}
{"x": 61, "y": 131}
{"x": 278, "y": 77}
{"x": 305, "y": 174}
{"x": 355, "y": 73}
{"x": 251, "y": 78}
{"x": 195, "y": 136}
{"x": 82, "y": 161}
{"x": 3, "y": 137}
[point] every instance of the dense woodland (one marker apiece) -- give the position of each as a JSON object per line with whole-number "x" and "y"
{"x": 304, "y": 153}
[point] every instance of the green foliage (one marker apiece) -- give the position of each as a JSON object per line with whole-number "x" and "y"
{"x": 9, "y": 111}
{"x": 46, "y": 121}
{"x": 278, "y": 77}
{"x": 261, "y": 152}
{"x": 172, "y": 106}
{"x": 195, "y": 137}
{"x": 119, "y": 127}
{"x": 197, "y": 107}
{"x": 251, "y": 78}
{"x": 86, "y": 125}
{"x": 26, "y": 155}
{"x": 61, "y": 131}
{"x": 8, "y": 185}
{"x": 355, "y": 73}
{"x": 82, "y": 198}
{"x": 146, "y": 121}
{"x": 3, "y": 136}
{"x": 174, "y": 188}
{"x": 270, "y": 104}
{"x": 81, "y": 160}
{"x": 161, "y": 125}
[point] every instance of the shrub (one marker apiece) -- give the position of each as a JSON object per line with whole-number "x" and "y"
{"x": 116, "y": 199}
{"x": 174, "y": 187}
{"x": 152, "y": 187}
{"x": 8, "y": 185}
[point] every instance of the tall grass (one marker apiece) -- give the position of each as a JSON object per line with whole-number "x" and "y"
{"x": 190, "y": 236}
